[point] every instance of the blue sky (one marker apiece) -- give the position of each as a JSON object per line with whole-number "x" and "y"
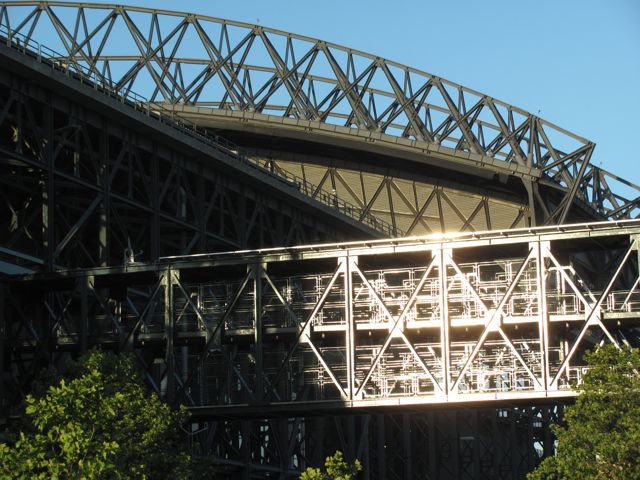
{"x": 576, "y": 63}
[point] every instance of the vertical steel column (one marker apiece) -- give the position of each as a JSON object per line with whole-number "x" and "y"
{"x": 432, "y": 446}
{"x": 83, "y": 287}
{"x": 513, "y": 443}
{"x": 245, "y": 448}
{"x": 169, "y": 359}
{"x": 258, "y": 269}
{"x": 548, "y": 440}
{"x": 281, "y": 234}
{"x": 154, "y": 241}
{"x": 181, "y": 201}
{"x": 454, "y": 438}
{"x": 636, "y": 242}
{"x": 443, "y": 256}
{"x": 105, "y": 206}
{"x": 364, "y": 445}
{"x": 406, "y": 447}
{"x": 528, "y": 185}
{"x": 477, "y": 441}
{"x": 542, "y": 251}
{"x": 241, "y": 220}
{"x": 201, "y": 210}
{"x": 315, "y": 427}
{"x": 350, "y": 426}
{"x": 284, "y": 443}
{"x": 531, "y": 436}
{"x": 351, "y": 328}
{"x": 48, "y": 189}
{"x": 496, "y": 445}
{"x": 3, "y": 338}
{"x": 381, "y": 444}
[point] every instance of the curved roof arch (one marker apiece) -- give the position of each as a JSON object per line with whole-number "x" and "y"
{"x": 207, "y": 66}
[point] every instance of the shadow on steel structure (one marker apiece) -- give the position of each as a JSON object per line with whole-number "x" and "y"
{"x": 281, "y": 343}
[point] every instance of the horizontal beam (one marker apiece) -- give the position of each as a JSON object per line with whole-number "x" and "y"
{"x": 466, "y": 240}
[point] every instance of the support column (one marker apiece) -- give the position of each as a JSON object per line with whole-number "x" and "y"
{"x": 245, "y": 448}
{"x": 541, "y": 250}
{"x": 531, "y": 220}
{"x": 496, "y": 445}
{"x": 3, "y": 339}
{"x": 314, "y": 445}
{"x": 381, "y": 444}
{"x": 241, "y": 219}
{"x": 285, "y": 432}
{"x": 363, "y": 445}
{"x": 48, "y": 190}
{"x": 351, "y": 328}
{"x": 444, "y": 255}
{"x": 548, "y": 447}
{"x": 432, "y": 446}
{"x": 513, "y": 443}
{"x": 201, "y": 211}
{"x": 105, "y": 206}
{"x": 454, "y": 437}
{"x": 406, "y": 446}
{"x": 169, "y": 359}
{"x": 351, "y": 451}
{"x": 477, "y": 440}
{"x": 84, "y": 287}
{"x": 154, "y": 241}
{"x": 258, "y": 269}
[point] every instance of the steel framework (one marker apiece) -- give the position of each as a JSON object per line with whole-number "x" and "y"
{"x": 465, "y": 443}
{"x": 284, "y": 354}
{"x": 489, "y": 317}
{"x": 90, "y": 176}
{"x": 283, "y": 335}
{"x": 229, "y": 74}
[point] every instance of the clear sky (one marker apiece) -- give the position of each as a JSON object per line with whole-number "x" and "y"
{"x": 576, "y": 63}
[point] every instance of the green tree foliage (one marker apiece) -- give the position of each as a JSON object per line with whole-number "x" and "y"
{"x": 336, "y": 468}
{"x": 601, "y": 439}
{"x": 100, "y": 423}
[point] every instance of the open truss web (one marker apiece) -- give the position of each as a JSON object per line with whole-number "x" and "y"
{"x": 184, "y": 59}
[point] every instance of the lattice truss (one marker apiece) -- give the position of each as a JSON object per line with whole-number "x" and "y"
{"x": 424, "y": 326}
{"x": 410, "y": 206}
{"x": 186, "y": 59}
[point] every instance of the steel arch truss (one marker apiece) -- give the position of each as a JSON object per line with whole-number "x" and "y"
{"x": 186, "y": 59}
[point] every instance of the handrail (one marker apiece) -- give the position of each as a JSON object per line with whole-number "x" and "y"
{"x": 46, "y": 56}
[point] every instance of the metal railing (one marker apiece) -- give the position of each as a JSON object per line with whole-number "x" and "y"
{"x": 46, "y": 56}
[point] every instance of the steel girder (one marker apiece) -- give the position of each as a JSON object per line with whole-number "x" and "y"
{"x": 495, "y": 317}
{"x": 255, "y": 74}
